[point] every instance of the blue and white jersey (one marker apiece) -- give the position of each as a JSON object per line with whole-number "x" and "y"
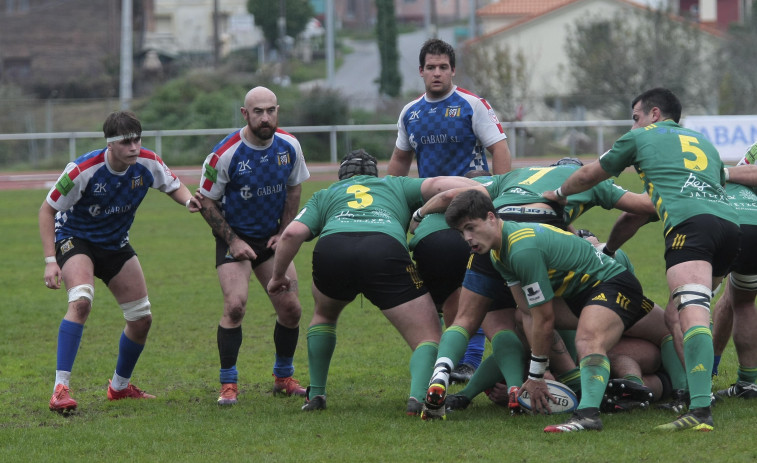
{"x": 250, "y": 182}
{"x": 449, "y": 135}
{"x": 97, "y": 204}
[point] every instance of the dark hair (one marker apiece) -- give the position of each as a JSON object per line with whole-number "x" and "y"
{"x": 568, "y": 162}
{"x": 662, "y": 98}
{"x": 436, "y": 47}
{"x": 470, "y": 204}
{"x": 358, "y": 162}
{"x": 121, "y": 123}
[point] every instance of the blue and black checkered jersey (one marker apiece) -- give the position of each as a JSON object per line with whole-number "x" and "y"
{"x": 97, "y": 204}
{"x": 250, "y": 182}
{"x": 449, "y": 136}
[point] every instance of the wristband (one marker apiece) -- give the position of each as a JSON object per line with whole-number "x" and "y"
{"x": 726, "y": 174}
{"x": 606, "y": 251}
{"x": 558, "y": 193}
{"x": 189, "y": 201}
{"x": 50, "y": 260}
{"x": 538, "y": 366}
{"x": 417, "y": 216}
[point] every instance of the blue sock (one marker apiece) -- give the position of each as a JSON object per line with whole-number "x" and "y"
{"x": 283, "y": 367}
{"x": 69, "y": 337}
{"x": 128, "y": 354}
{"x": 475, "y": 351}
{"x": 229, "y": 375}
{"x": 715, "y": 364}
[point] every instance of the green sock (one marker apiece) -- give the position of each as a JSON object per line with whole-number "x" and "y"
{"x": 634, "y": 379}
{"x": 487, "y": 375}
{"x": 508, "y": 351}
{"x": 672, "y": 364}
{"x": 572, "y": 379}
{"x": 698, "y": 353}
{"x": 452, "y": 345}
{"x": 569, "y": 338}
{"x": 747, "y": 374}
{"x": 595, "y": 370}
{"x": 321, "y": 344}
{"x": 421, "y": 367}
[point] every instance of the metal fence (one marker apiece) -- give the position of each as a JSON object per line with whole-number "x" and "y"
{"x": 568, "y": 137}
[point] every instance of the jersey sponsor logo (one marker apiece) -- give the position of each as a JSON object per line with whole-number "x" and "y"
{"x": 413, "y": 143}
{"x": 701, "y": 189}
{"x": 117, "y": 209}
{"x": 453, "y": 111}
{"x": 270, "y": 190}
{"x": 244, "y": 166}
{"x": 264, "y": 159}
{"x": 533, "y": 293}
{"x": 415, "y": 114}
{"x": 100, "y": 189}
{"x": 94, "y": 210}
{"x": 245, "y": 192}
{"x": 438, "y": 138}
{"x": 64, "y": 185}
{"x": 137, "y": 182}
{"x": 283, "y": 158}
{"x": 493, "y": 116}
{"x": 211, "y": 173}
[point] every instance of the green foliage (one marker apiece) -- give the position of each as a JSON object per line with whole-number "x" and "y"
{"x": 367, "y": 385}
{"x": 736, "y": 67}
{"x": 390, "y": 79}
{"x": 500, "y": 75}
{"x": 267, "y": 13}
{"x": 657, "y": 51}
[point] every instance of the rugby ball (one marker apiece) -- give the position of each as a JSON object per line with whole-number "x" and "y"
{"x": 566, "y": 399}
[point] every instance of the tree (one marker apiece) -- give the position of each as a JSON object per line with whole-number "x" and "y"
{"x": 267, "y": 13}
{"x": 505, "y": 81}
{"x": 613, "y": 60}
{"x": 737, "y": 67}
{"x": 390, "y": 79}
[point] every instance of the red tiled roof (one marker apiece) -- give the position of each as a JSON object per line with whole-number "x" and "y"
{"x": 520, "y": 7}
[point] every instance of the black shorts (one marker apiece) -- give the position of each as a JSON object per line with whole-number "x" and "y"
{"x": 622, "y": 294}
{"x": 441, "y": 258}
{"x": 703, "y": 237}
{"x": 745, "y": 263}
{"x": 107, "y": 262}
{"x": 259, "y": 245}
{"x": 374, "y": 264}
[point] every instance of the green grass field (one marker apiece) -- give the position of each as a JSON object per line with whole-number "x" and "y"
{"x": 368, "y": 382}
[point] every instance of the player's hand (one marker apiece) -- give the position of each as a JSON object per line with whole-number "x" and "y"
{"x": 499, "y": 394}
{"x": 413, "y": 225}
{"x": 52, "y": 275}
{"x": 240, "y": 250}
{"x": 195, "y": 204}
{"x": 273, "y": 241}
{"x": 552, "y": 196}
{"x": 279, "y": 285}
{"x": 539, "y": 394}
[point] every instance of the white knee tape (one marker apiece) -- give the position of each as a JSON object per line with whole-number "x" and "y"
{"x": 744, "y": 282}
{"x": 692, "y": 294}
{"x": 136, "y": 310}
{"x": 81, "y": 292}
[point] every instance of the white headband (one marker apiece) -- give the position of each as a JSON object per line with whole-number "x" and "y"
{"x": 127, "y": 136}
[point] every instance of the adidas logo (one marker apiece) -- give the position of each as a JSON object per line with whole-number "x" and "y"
{"x": 698, "y": 369}
{"x": 598, "y": 378}
{"x": 600, "y": 297}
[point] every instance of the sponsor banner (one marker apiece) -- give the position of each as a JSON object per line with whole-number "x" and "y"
{"x": 731, "y": 135}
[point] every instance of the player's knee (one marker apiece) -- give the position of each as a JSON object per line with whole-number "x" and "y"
{"x": 744, "y": 282}
{"x": 137, "y": 310}
{"x": 81, "y": 292}
{"x": 691, "y": 294}
{"x": 235, "y": 313}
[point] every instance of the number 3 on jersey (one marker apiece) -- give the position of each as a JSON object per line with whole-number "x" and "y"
{"x": 362, "y": 198}
{"x": 699, "y": 163}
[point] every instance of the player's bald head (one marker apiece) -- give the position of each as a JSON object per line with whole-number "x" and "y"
{"x": 260, "y": 97}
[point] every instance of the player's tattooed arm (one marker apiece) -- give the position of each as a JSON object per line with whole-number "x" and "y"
{"x": 217, "y": 222}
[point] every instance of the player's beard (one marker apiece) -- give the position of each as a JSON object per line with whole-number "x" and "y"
{"x": 264, "y": 132}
